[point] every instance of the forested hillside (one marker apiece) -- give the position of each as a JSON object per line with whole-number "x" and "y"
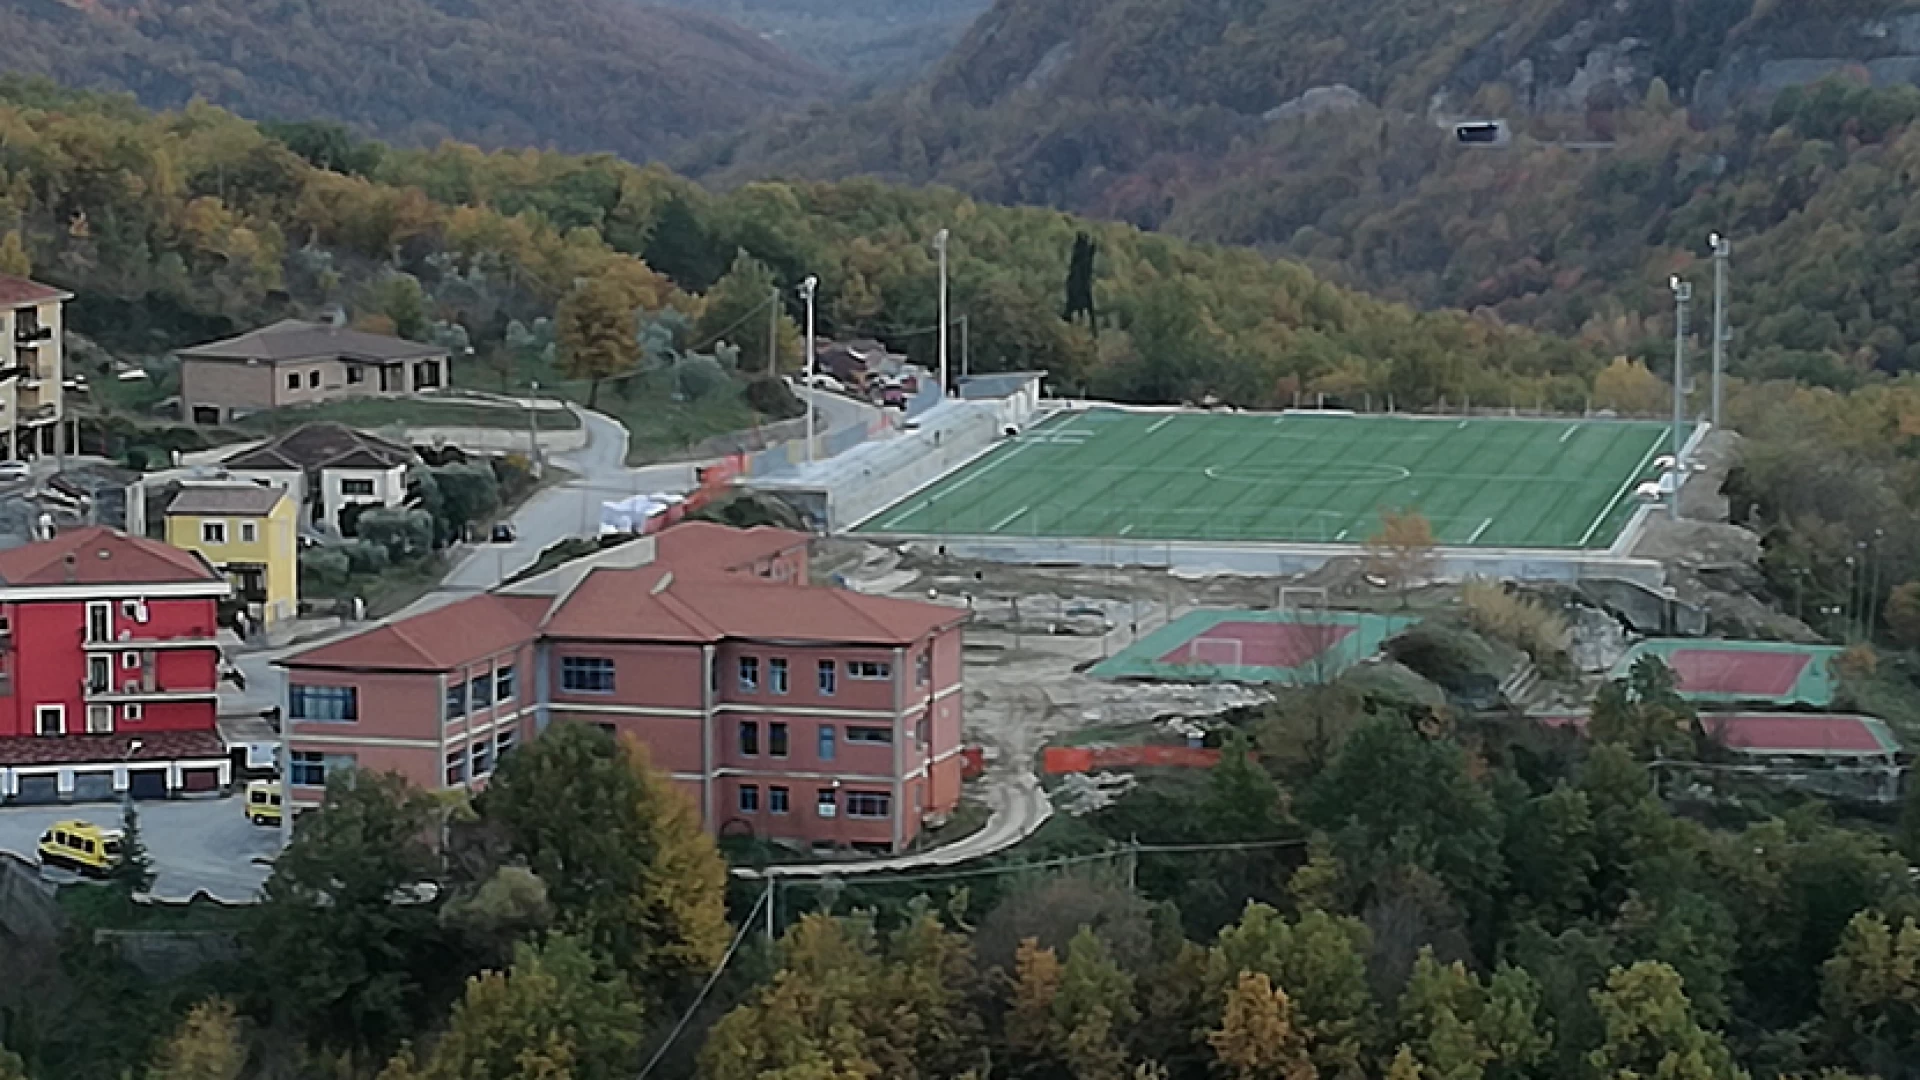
{"x": 571, "y": 74}
{"x": 864, "y": 42}
{"x": 177, "y": 226}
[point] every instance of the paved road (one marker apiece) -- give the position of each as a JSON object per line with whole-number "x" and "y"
{"x": 197, "y": 845}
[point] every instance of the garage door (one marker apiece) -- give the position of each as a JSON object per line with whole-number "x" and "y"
{"x": 38, "y": 790}
{"x": 149, "y": 783}
{"x": 93, "y": 787}
{"x": 200, "y": 780}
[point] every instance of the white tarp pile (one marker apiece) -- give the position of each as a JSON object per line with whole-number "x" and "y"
{"x": 630, "y": 515}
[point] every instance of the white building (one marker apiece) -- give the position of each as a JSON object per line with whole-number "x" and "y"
{"x": 328, "y": 467}
{"x": 32, "y": 399}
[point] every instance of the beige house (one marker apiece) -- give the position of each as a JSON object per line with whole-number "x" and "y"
{"x": 327, "y": 467}
{"x": 32, "y": 404}
{"x": 301, "y": 363}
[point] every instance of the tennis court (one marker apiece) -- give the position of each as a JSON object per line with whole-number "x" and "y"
{"x": 1775, "y": 671}
{"x": 1299, "y": 477}
{"x": 1225, "y": 645}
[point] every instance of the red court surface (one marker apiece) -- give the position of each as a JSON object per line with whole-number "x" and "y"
{"x": 1262, "y": 644}
{"x": 1738, "y": 672}
{"x": 1809, "y": 734}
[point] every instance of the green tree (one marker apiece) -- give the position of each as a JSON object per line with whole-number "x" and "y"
{"x": 11, "y": 1067}
{"x": 1320, "y": 961}
{"x": 1903, "y": 614}
{"x": 1462, "y": 1028}
{"x": 402, "y": 301}
{"x": 14, "y": 259}
{"x": 1870, "y": 993}
{"x": 1651, "y": 1030}
{"x": 468, "y": 493}
{"x": 1080, "y": 280}
{"x": 736, "y": 312}
{"x": 207, "y": 1047}
{"x": 626, "y": 865}
{"x": 1242, "y": 801}
{"x": 342, "y": 944}
{"x": 134, "y": 872}
{"x": 1644, "y": 712}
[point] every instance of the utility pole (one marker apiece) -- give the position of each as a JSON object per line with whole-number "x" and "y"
{"x": 773, "y": 334}
{"x": 940, "y": 245}
{"x": 1682, "y": 298}
{"x": 807, "y": 289}
{"x": 533, "y": 429}
{"x": 1722, "y": 251}
{"x": 966, "y": 349}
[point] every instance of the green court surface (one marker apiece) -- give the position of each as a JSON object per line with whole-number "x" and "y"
{"x": 1224, "y": 645}
{"x": 1729, "y": 671}
{"x": 1565, "y": 484}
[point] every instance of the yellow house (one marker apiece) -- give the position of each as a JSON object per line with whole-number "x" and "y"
{"x": 250, "y": 532}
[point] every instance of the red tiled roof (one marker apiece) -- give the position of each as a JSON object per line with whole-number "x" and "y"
{"x": 103, "y": 749}
{"x": 438, "y": 640}
{"x": 633, "y": 605}
{"x": 19, "y": 292}
{"x": 102, "y": 556}
{"x": 693, "y": 547}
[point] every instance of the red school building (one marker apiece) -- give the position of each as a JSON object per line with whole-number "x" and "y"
{"x": 109, "y": 669}
{"x": 809, "y": 715}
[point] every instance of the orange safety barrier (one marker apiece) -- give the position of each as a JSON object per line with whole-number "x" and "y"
{"x": 1080, "y": 759}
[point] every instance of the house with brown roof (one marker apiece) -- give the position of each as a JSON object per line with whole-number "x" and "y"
{"x": 249, "y": 532}
{"x": 294, "y": 362}
{"x": 327, "y": 467}
{"x": 32, "y": 368}
{"x": 811, "y": 716}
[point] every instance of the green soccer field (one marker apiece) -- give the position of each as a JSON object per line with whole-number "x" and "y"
{"x": 1565, "y": 484}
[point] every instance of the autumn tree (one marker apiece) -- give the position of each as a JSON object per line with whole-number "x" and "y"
{"x": 206, "y": 1047}
{"x": 599, "y": 331}
{"x": 1903, "y": 614}
{"x": 1257, "y": 1039}
{"x": 625, "y": 863}
{"x": 344, "y": 946}
{"x": 1320, "y": 960}
{"x": 1651, "y": 1030}
{"x": 14, "y": 259}
{"x": 1402, "y": 551}
{"x": 1075, "y": 1016}
{"x": 551, "y": 1016}
{"x": 1626, "y": 386}
{"x": 1870, "y": 992}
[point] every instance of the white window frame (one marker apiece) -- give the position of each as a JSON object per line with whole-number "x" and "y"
{"x": 106, "y": 607}
{"x": 129, "y": 661}
{"x": 99, "y": 719}
{"x": 213, "y": 532}
{"x": 40, "y": 714}
{"x": 132, "y": 710}
{"x": 249, "y": 532}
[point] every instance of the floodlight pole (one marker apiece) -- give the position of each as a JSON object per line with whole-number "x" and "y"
{"x": 1722, "y": 251}
{"x": 940, "y": 245}
{"x": 1682, "y": 298}
{"x": 807, "y": 289}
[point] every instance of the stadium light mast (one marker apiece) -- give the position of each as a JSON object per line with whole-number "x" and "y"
{"x": 940, "y": 245}
{"x": 1682, "y": 298}
{"x": 1722, "y": 251}
{"x": 807, "y": 289}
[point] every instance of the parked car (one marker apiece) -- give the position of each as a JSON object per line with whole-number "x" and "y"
{"x": 81, "y": 847}
{"x": 893, "y": 398}
{"x": 503, "y": 532}
{"x": 826, "y": 382}
{"x": 12, "y": 472}
{"x": 263, "y": 802}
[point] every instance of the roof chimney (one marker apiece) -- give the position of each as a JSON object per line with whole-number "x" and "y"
{"x": 69, "y": 561}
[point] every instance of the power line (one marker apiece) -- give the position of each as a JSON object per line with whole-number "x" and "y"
{"x": 1049, "y": 864}
{"x": 700, "y": 999}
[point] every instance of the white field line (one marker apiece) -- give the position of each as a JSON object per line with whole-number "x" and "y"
{"x": 1632, "y": 479}
{"x": 1164, "y": 421}
{"x": 1126, "y": 529}
{"x": 936, "y": 496}
{"x": 1569, "y": 433}
{"x": 1008, "y": 520}
{"x": 1342, "y": 536}
{"x": 1481, "y": 531}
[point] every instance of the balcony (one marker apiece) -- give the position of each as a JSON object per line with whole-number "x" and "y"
{"x": 31, "y": 334}
{"x": 141, "y": 688}
{"x": 192, "y": 639}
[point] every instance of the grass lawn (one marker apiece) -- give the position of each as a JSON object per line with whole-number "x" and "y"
{"x": 389, "y": 590}
{"x": 410, "y": 412}
{"x": 664, "y": 428}
{"x": 1562, "y": 484}
{"x": 104, "y": 907}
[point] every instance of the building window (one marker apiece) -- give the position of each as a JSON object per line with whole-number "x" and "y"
{"x": 750, "y": 798}
{"x": 482, "y": 758}
{"x": 99, "y": 719}
{"x": 99, "y": 674}
{"x": 502, "y": 743}
{"x": 869, "y": 670}
{"x": 356, "y": 487}
{"x": 869, "y": 735}
{"x": 869, "y": 804}
{"x": 777, "y": 738}
{"x": 777, "y": 674}
{"x": 750, "y": 737}
{"x": 749, "y": 674}
{"x": 356, "y": 374}
{"x": 457, "y": 767}
{"x": 50, "y": 719}
{"x": 827, "y": 678}
{"x": 923, "y": 668}
{"x": 131, "y": 712}
{"x": 293, "y": 380}
{"x": 249, "y": 532}
{"x": 99, "y": 622}
{"x": 309, "y": 769}
{"x": 586, "y": 674}
{"x": 334, "y": 703}
{"x": 426, "y": 375}
{"x": 503, "y": 689}
{"x": 480, "y": 692}
{"x": 777, "y": 800}
{"x": 456, "y": 701}
{"x": 132, "y": 610}
{"x": 826, "y": 742}
{"x": 213, "y": 532}
{"x": 129, "y": 661}
{"x": 828, "y": 802}
{"x": 313, "y": 380}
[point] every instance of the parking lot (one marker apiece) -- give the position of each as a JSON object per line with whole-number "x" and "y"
{"x": 199, "y": 845}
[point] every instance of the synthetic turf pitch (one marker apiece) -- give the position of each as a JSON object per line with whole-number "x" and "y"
{"x": 1563, "y": 484}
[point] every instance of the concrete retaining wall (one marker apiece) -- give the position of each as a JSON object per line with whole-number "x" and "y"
{"x": 501, "y": 440}
{"x": 27, "y": 907}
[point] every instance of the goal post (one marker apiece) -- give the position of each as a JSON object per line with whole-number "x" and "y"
{"x": 1215, "y": 652}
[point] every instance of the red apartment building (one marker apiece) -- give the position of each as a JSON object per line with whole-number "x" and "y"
{"x": 109, "y": 670}
{"x": 808, "y": 715}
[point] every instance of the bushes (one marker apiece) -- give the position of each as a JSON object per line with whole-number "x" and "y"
{"x": 1524, "y": 623}
{"x": 406, "y": 534}
{"x": 365, "y": 556}
{"x": 324, "y": 569}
